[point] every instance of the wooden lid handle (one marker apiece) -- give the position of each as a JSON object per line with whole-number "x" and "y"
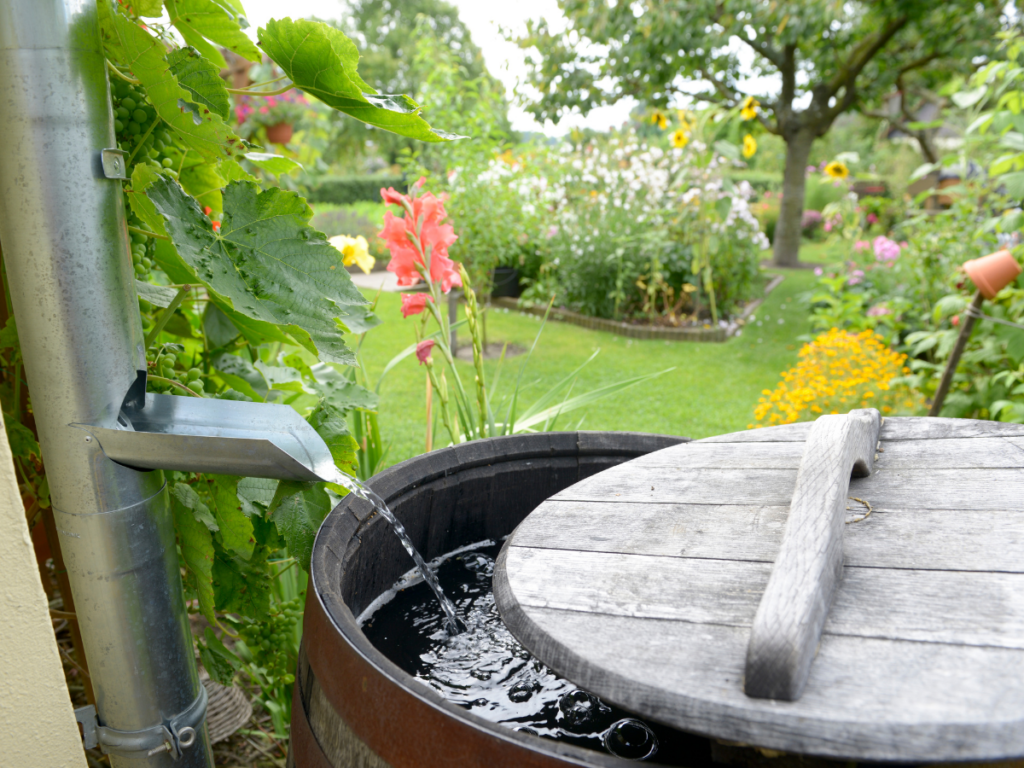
{"x": 788, "y": 623}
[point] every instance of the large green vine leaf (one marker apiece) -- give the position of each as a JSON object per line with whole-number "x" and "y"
{"x": 236, "y": 534}
{"x": 201, "y": 128}
{"x": 196, "y": 549}
{"x": 200, "y": 21}
{"x": 201, "y": 79}
{"x": 323, "y": 62}
{"x": 298, "y": 509}
{"x": 242, "y": 586}
{"x": 267, "y": 264}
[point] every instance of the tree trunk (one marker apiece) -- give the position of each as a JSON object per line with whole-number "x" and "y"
{"x": 787, "y": 230}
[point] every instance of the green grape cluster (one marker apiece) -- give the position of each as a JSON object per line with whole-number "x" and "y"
{"x": 134, "y": 119}
{"x": 272, "y": 641}
{"x": 171, "y": 365}
{"x": 143, "y": 248}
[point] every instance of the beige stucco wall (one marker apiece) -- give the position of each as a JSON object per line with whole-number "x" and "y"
{"x": 37, "y": 724}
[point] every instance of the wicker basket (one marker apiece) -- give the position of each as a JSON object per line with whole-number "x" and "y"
{"x": 227, "y": 710}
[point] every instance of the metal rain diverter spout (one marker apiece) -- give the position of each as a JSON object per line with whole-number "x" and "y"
{"x": 226, "y": 437}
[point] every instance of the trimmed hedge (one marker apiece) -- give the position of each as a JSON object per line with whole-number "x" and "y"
{"x": 342, "y": 190}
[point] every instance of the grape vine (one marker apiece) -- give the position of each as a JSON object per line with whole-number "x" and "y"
{"x": 214, "y": 253}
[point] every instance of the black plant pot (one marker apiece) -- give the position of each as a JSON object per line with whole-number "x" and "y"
{"x": 506, "y": 282}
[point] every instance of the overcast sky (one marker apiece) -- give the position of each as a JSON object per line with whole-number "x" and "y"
{"x": 484, "y": 20}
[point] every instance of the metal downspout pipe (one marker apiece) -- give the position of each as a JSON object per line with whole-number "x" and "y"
{"x": 65, "y": 246}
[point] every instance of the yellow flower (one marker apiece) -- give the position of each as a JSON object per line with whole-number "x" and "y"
{"x": 658, "y": 118}
{"x": 354, "y": 250}
{"x": 749, "y": 146}
{"x": 836, "y": 370}
{"x": 680, "y": 139}
{"x": 837, "y": 170}
{"x": 686, "y": 120}
{"x": 749, "y": 109}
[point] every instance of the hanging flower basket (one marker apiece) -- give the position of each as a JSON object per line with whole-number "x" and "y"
{"x": 281, "y": 133}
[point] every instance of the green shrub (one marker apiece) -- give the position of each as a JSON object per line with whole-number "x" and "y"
{"x": 821, "y": 190}
{"x": 343, "y": 190}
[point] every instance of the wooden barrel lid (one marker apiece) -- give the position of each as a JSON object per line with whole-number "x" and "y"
{"x": 641, "y": 584}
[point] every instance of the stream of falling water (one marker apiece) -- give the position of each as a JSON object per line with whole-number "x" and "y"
{"x": 362, "y": 492}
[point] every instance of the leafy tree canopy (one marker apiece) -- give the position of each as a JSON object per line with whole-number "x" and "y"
{"x": 822, "y": 57}
{"x": 390, "y": 34}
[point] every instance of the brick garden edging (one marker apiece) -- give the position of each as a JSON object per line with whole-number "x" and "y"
{"x": 666, "y": 333}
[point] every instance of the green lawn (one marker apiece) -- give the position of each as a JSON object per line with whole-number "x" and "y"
{"x": 712, "y": 390}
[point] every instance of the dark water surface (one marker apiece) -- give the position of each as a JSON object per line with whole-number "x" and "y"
{"x": 487, "y": 671}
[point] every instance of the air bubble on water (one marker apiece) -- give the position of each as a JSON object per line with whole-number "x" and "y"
{"x": 631, "y": 739}
{"x": 579, "y": 707}
{"x": 522, "y": 691}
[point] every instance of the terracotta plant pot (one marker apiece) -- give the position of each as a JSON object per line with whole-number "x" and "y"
{"x": 280, "y": 133}
{"x": 990, "y": 274}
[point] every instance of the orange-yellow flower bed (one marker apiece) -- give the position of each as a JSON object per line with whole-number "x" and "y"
{"x": 837, "y": 372}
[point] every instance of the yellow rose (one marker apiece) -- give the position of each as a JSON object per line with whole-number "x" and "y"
{"x": 354, "y": 250}
{"x": 749, "y": 146}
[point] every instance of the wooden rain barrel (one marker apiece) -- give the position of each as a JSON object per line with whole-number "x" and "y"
{"x": 849, "y": 589}
{"x": 354, "y": 708}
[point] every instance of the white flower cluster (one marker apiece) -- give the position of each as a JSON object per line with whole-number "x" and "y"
{"x": 626, "y": 184}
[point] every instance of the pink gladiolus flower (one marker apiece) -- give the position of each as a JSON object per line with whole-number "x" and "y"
{"x": 419, "y": 233}
{"x": 414, "y": 303}
{"x": 423, "y": 350}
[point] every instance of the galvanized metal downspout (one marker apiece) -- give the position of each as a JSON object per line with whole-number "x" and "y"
{"x": 62, "y": 225}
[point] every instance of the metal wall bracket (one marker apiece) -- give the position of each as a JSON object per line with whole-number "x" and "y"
{"x": 114, "y": 165}
{"x": 177, "y": 734}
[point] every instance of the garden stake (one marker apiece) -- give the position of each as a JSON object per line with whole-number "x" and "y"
{"x": 954, "y": 358}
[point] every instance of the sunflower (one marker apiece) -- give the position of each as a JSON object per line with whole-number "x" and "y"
{"x": 749, "y": 146}
{"x": 837, "y": 170}
{"x": 749, "y": 108}
{"x": 658, "y": 118}
{"x": 680, "y": 139}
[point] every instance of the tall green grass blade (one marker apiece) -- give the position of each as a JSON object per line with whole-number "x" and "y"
{"x": 586, "y": 399}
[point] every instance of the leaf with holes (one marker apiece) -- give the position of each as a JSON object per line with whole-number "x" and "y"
{"x": 199, "y": 127}
{"x": 202, "y": 21}
{"x": 267, "y": 264}
{"x": 323, "y": 62}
